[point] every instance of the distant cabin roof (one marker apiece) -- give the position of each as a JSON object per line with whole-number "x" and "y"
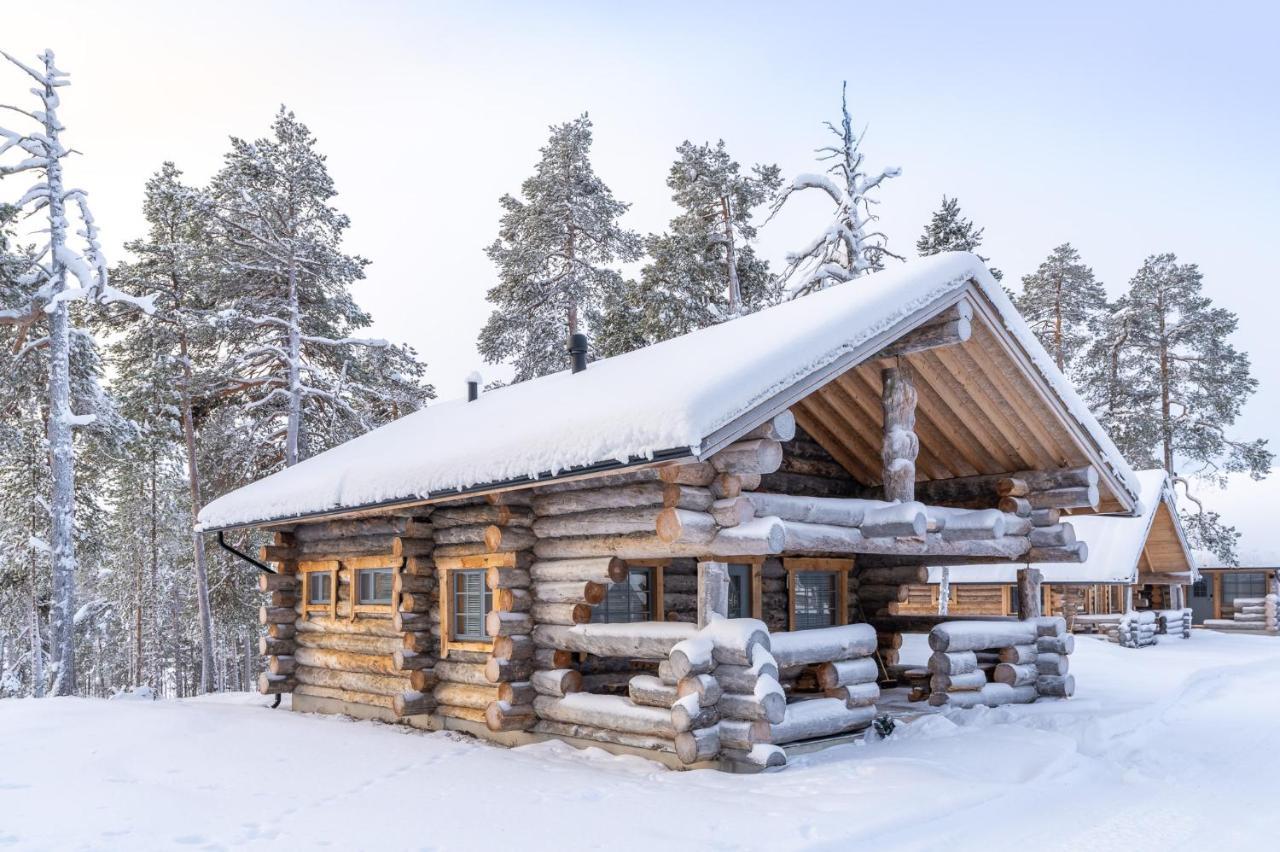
{"x": 688, "y": 396}
{"x": 1121, "y": 548}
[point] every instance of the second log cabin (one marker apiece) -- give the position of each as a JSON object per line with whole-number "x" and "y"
{"x": 685, "y": 550}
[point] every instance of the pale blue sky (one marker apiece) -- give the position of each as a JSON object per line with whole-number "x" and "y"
{"x": 1127, "y": 129}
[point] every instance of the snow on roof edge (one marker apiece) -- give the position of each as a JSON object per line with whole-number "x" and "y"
{"x": 343, "y": 480}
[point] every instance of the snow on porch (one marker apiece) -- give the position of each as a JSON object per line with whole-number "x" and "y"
{"x": 668, "y": 397}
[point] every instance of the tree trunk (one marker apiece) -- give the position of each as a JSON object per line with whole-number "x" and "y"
{"x": 62, "y": 505}
{"x": 731, "y": 259}
{"x": 197, "y": 540}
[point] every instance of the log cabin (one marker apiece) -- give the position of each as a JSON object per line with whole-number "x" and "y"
{"x": 1136, "y": 563}
{"x": 682, "y": 551}
{"x": 1238, "y": 598}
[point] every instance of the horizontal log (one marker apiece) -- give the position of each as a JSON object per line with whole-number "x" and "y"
{"x": 935, "y": 335}
{"x": 689, "y": 715}
{"x": 744, "y": 678}
{"x": 847, "y": 672}
{"x": 603, "y": 570}
{"x": 423, "y": 680}
{"x": 827, "y": 644}
{"x": 347, "y": 661}
{"x": 364, "y": 626}
{"x": 698, "y": 745}
{"x": 769, "y": 705}
{"x": 506, "y": 671}
{"x": 574, "y": 592}
{"x": 650, "y": 691}
{"x": 517, "y": 692}
{"x": 278, "y": 582}
{"x": 680, "y": 525}
{"x": 1078, "y": 552}
{"x": 607, "y": 712}
{"x": 276, "y": 647}
{"x": 550, "y": 658}
{"x": 645, "y": 495}
{"x": 465, "y": 695}
{"x": 781, "y": 427}
{"x": 556, "y": 682}
{"x": 502, "y": 539}
{"x": 697, "y": 473}
{"x": 965, "y": 682}
{"x": 277, "y": 615}
{"x": 820, "y": 717}
{"x": 452, "y": 671}
{"x": 731, "y": 512}
{"x": 462, "y": 534}
{"x": 1015, "y": 674}
{"x": 1056, "y": 686}
{"x": 644, "y": 641}
{"x": 507, "y": 623}
{"x": 340, "y": 548}
{"x": 349, "y": 696}
{"x": 481, "y": 515}
{"x": 413, "y": 703}
{"x": 603, "y": 735}
{"x": 744, "y": 734}
{"x": 282, "y": 631}
{"x": 856, "y": 695}
{"x": 1018, "y": 654}
{"x": 281, "y": 665}
{"x": 411, "y": 660}
{"x": 513, "y": 648}
{"x": 754, "y": 456}
{"x": 906, "y": 574}
{"x": 355, "y": 681}
{"x": 469, "y": 714}
{"x": 505, "y": 716}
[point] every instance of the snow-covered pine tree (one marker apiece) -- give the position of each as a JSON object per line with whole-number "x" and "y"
{"x": 554, "y": 253}
{"x": 847, "y": 248}
{"x": 1168, "y": 384}
{"x": 948, "y": 230}
{"x": 1063, "y": 303}
{"x": 40, "y": 153}
{"x": 289, "y": 306}
{"x": 704, "y": 269}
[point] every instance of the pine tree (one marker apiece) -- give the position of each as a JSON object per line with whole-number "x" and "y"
{"x": 1063, "y": 303}
{"x": 554, "y": 254}
{"x": 48, "y": 303}
{"x": 948, "y": 230}
{"x": 296, "y": 367}
{"x": 846, "y": 249}
{"x": 704, "y": 269}
{"x": 1168, "y": 385}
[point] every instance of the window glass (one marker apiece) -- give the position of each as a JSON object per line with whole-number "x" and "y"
{"x": 626, "y": 602}
{"x": 1250, "y": 585}
{"x": 472, "y": 600}
{"x": 1200, "y": 589}
{"x": 373, "y": 586}
{"x": 740, "y": 603}
{"x": 815, "y": 603}
{"x": 319, "y": 587}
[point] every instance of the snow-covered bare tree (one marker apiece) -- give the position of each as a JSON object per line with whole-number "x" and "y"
{"x": 848, "y": 247}
{"x": 1168, "y": 384}
{"x": 704, "y": 269}
{"x": 1063, "y": 303}
{"x": 40, "y": 154}
{"x": 948, "y": 230}
{"x": 555, "y": 252}
{"x": 305, "y": 381}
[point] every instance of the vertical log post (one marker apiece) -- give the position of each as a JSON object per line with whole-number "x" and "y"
{"x": 901, "y": 446}
{"x": 1029, "y": 593}
{"x": 713, "y": 590}
{"x": 1128, "y": 598}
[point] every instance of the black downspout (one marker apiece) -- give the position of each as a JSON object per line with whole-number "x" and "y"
{"x": 222, "y": 542}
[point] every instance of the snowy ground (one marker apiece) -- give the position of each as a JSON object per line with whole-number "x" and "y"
{"x": 1171, "y": 747}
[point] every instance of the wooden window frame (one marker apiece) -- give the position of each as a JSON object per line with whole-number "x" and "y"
{"x": 840, "y": 567}
{"x": 305, "y": 569}
{"x": 756, "y": 564}
{"x": 445, "y": 594}
{"x": 356, "y": 606}
{"x": 655, "y": 567}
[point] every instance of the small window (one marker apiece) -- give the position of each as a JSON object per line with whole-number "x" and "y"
{"x": 373, "y": 586}
{"x": 627, "y": 602}
{"x": 740, "y": 602}
{"x": 319, "y": 587}
{"x": 1200, "y": 589}
{"x": 472, "y": 601}
{"x": 816, "y": 599}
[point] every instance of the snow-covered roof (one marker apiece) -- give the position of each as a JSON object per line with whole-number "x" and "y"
{"x": 685, "y": 396}
{"x": 1115, "y": 544}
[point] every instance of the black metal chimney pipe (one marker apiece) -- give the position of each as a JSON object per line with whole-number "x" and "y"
{"x": 473, "y": 387}
{"x": 578, "y": 352}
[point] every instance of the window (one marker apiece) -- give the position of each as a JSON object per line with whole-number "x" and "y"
{"x": 373, "y": 586}
{"x": 472, "y": 601}
{"x": 1200, "y": 589}
{"x": 319, "y": 581}
{"x": 1244, "y": 585}
{"x": 629, "y": 601}
{"x": 816, "y": 600}
{"x": 819, "y": 592}
{"x": 319, "y": 587}
{"x": 741, "y": 592}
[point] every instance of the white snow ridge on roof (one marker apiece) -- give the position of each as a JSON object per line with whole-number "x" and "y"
{"x": 665, "y": 398}
{"x": 1115, "y": 545}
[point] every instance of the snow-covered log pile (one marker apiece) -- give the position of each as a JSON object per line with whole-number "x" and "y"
{"x": 999, "y": 662}
{"x": 1257, "y": 614}
{"x": 377, "y": 656}
{"x": 833, "y": 675}
{"x": 1138, "y": 629}
{"x": 1174, "y": 622}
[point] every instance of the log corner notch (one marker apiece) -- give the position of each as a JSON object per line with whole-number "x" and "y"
{"x": 901, "y": 445}
{"x": 279, "y": 615}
